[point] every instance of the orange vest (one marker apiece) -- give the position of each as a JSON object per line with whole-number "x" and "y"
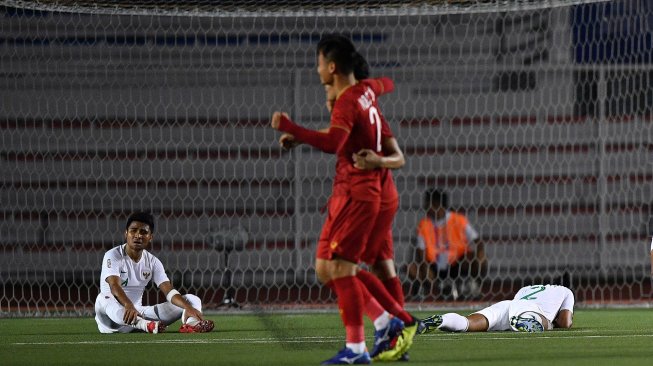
{"x": 454, "y": 230}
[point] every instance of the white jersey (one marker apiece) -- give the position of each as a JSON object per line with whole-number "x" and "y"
{"x": 134, "y": 276}
{"x": 551, "y": 299}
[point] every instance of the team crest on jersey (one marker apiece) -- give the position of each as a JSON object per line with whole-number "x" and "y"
{"x": 146, "y": 275}
{"x": 333, "y": 245}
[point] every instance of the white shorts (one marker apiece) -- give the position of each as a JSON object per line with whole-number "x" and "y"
{"x": 164, "y": 312}
{"x": 104, "y": 323}
{"x": 498, "y": 315}
{"x": 518, "y": 307}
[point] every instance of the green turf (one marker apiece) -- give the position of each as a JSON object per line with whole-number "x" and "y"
{"x": 599, "y": 337}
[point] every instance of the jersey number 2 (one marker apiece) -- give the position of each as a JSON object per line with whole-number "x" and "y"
{"x": 537, "y": 289}
{"x": 375, "y": 119}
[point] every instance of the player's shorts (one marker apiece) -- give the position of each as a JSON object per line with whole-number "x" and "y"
{"x": 104, "y": 323}
{"x": 497, "y": 315}
{"x": 518, "y": 307}
{"x": 347, "y": 228}
{"x": 380, "y": 245}
{"x": 166, "y": 312}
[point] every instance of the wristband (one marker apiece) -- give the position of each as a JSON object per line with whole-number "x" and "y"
{"x": 172, "y": 293}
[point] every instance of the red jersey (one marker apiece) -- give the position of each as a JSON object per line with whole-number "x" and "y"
{"x": 357, "y": 111}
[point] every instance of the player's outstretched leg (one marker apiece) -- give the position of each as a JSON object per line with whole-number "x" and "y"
{"x": 430, "y": 324}
{"x": 348, "y": 357}
{"x": 385, "y": 338}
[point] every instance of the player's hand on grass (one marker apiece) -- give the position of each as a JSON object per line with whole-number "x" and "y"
{"x": 287, "y": 141}
{"x": 366, "y": 159}
{"x": 276, "y": 119}
{"x": 130, "y": 314}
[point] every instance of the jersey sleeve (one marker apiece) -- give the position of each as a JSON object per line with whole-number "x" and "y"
{"x": 110, "y": 265}
{"x": 159, "y": 275}
{"x": 382, "y": 85}
{"x": 329, "y": 142}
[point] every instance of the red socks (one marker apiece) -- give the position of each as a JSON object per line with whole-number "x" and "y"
{"x": 393, "y": 285}
{"x": 351, "y": 303}
{"x": 376, "y": 288}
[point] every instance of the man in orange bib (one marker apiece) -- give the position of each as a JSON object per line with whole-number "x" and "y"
{"x": 447, "y": 248}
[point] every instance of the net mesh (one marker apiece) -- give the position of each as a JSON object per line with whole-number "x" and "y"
{"x": 534, "y": 118}
{"x": 292, "y": 7}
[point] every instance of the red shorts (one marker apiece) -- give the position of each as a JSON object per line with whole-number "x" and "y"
{"x": 380, "y": 245}
{"x": 347, "y": 228}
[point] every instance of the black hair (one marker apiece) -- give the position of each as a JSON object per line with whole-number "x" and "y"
{"x": 361, "y": 67}
{"x": 435, "y": 195}
{"x": 144, "y": 217}
{"x": 338, "y": 49}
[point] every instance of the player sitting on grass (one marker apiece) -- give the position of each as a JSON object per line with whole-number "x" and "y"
{"x": 533, "y": 309}
{"x": 126, "y": 270}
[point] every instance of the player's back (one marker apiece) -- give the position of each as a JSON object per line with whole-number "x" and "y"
{"x": 357, "y": 111}
{"x": 550, "y": 298}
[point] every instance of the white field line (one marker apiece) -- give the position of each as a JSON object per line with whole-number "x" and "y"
{"x": 523, "y": 337}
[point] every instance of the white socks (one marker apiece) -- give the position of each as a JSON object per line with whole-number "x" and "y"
{"x": 141, "y": 324}
{"x": 382, "y": 321}
{"x": 192, "y": 320}
{"x": 356, "y": 347}
{"x": 452, "y": 322}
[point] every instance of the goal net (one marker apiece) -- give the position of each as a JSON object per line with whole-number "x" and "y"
{"x": 534, "y": 117}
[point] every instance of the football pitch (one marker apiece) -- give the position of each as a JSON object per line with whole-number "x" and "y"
{"x": 598, "y": 337}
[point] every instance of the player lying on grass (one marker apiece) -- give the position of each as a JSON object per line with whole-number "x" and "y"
{"x": 126, "y": 271}
{"x": 533, "y": 309}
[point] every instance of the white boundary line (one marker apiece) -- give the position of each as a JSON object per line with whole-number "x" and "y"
{"x": 269, "y": 340}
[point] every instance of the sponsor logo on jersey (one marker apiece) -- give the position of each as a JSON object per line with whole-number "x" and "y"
{"x": 109, "y": 263}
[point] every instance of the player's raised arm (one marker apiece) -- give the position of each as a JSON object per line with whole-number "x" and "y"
{"x": 329, "y": 142}
{"x": 382, "y": 85}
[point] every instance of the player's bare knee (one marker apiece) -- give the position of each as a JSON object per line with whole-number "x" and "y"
{"x": 384, "y": 270}
{"x": 322, "y": 271}
{"x": 323, "y": 276}
{"x": 341, "y": 268}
